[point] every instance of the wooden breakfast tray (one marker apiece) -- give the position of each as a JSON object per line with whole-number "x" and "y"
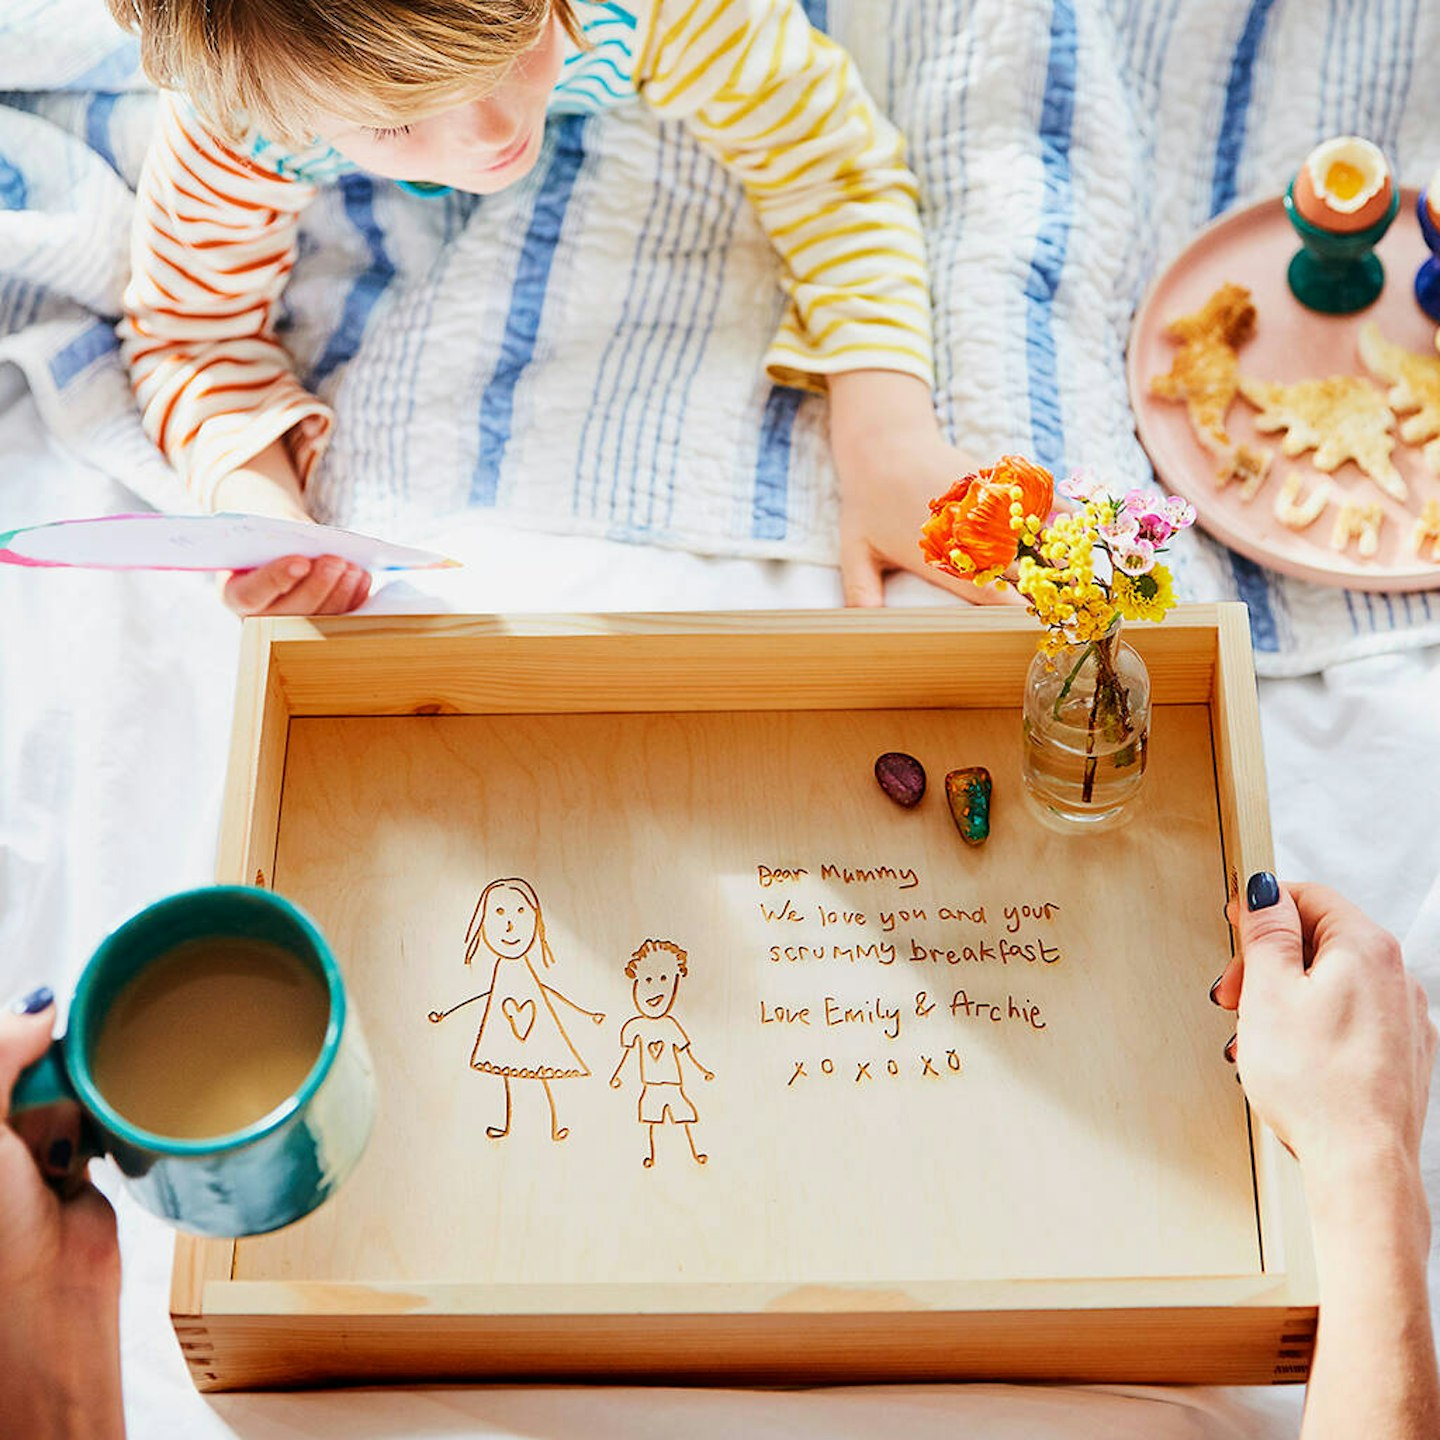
{"x": 969, "y": 1115}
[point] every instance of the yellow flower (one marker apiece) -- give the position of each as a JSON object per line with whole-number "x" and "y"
{"x": 1143, "y": 597}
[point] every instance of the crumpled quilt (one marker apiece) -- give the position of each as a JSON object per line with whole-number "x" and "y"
{"x": 581, "y": 354}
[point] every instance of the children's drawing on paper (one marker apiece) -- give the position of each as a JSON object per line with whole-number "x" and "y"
{"x": 521, "y": 1034}
{"x": 658, "y": 1038}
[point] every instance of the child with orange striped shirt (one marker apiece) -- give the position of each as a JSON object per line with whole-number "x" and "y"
{"x": 271, "y": 98}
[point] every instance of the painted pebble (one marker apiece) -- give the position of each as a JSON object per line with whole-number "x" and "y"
{"x": 968, "y": 794}
{"x": 901, "y": 777}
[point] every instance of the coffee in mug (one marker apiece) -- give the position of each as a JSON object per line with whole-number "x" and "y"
{"x": 210, "y": 1037}
{"x": 215, "y": 1057}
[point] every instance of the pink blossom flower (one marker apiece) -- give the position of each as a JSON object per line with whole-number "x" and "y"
{"x": 1136, "y": 558}
{"x": 1154, "y": 527}
{"x": 1148, "y": 509}
{"x": 1119, "y": 532}
{"x": 1082, "y": 486}
{"x": 1180, "y": 513}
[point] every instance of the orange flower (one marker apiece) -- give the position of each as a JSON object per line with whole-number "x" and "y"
{"x": 971, "y": 531}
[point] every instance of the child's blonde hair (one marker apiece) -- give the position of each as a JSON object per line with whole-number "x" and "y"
{"x": 271, "y": 65}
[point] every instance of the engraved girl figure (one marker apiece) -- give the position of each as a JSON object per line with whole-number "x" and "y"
{"x": 521, "y": 1034}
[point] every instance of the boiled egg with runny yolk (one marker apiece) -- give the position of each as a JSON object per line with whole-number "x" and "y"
{"x": 1344, "y": 185}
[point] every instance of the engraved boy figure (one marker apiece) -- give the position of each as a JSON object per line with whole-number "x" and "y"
{"x": 660, "y": 1040}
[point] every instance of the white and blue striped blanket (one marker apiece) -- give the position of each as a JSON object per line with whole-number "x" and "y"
{"x": 582, "y": 353}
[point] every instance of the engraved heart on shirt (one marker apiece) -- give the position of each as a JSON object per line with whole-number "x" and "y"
{"x": 655, "y": 1047}
{"x": 520, "y": 1014}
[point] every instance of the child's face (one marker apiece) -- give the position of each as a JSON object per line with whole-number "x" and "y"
{"x": 481, "y": 146}
{"x": 508, "y": 924}
{"x": 656, "y": 980}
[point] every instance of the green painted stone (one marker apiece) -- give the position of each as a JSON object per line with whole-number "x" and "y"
{"x": 968, "y": 794}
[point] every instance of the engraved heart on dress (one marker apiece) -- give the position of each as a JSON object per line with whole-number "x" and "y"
{"x": 520, "y": 1014}
{"x": 655, "y": 1047}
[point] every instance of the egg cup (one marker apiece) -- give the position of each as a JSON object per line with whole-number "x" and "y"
{"x": 1427, "y": 277}
{"x": 1334, "y": 273}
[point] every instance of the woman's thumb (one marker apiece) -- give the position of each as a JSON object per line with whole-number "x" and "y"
{"x": 1270, "y": 935}
{"x": 24, "y": 1037}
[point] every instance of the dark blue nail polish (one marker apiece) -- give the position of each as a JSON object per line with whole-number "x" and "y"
{"x": 1263, "y": 891}
{"x": 42, "y": 997}
{"x": 60, "y": 1154}
{"x": 1215, "y": 987}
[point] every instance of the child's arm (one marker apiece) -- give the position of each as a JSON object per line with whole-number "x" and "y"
{"x": 695, "y": 1061}
{"x": 625, "y": 1053}
{"x": 213, "y": 244}
{"x": 598, "y": 1016}
{"x": 688, "y": 1049}
{"x": 784, "y": 110}
{"x": 436, "y": 1016}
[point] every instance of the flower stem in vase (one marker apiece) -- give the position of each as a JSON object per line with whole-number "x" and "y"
{"x": 1086, "y": 711}
{"x": 1087, "y": 789}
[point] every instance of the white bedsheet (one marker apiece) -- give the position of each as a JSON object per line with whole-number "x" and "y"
{"x": 115, "y": 694}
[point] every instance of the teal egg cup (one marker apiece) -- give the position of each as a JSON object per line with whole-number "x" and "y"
{"x": 1337, "y": 274}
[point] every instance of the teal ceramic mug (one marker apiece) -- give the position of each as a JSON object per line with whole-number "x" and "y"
{"x": 251, "y": 1180}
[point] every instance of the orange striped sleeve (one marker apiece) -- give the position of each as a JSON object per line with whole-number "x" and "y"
{"x": 213, "y": 245}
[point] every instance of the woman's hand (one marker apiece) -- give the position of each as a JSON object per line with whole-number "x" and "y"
{"x": 1335, "y": 1046}
{"x": 1334, "y": 1042}
{"x": 59, "y": 1263}
{"x": 892, "y": 461}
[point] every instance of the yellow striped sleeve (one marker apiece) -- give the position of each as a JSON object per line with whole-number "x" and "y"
{"x": 783, "y": 109}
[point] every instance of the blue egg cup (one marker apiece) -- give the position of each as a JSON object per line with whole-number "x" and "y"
{"x": 1427, "y": 277}
{"x": 1337, "y": 274}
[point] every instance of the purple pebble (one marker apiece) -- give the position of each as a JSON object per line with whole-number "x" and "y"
{"x": 901, "y": 777}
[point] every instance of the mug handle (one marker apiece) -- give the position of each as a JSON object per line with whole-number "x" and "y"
{"x": 47, "y": 1082}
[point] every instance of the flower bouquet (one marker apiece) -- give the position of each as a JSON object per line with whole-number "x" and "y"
{"x": 1087, "y": 696}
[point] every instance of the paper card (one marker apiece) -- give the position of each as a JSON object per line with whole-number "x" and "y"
{"x": 199, "y": 542}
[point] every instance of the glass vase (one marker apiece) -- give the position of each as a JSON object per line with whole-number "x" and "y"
{"x": 1087, "y": 730}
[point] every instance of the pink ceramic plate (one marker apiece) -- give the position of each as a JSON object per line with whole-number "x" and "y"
{"x": 1252, "y": 247}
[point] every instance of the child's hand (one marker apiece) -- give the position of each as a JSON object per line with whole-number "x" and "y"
{"x": 892, "y": 460}
{"x": 291, "y": 585}
{"x": 615, "y": 1082}
{"x": 294, "y": 585}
